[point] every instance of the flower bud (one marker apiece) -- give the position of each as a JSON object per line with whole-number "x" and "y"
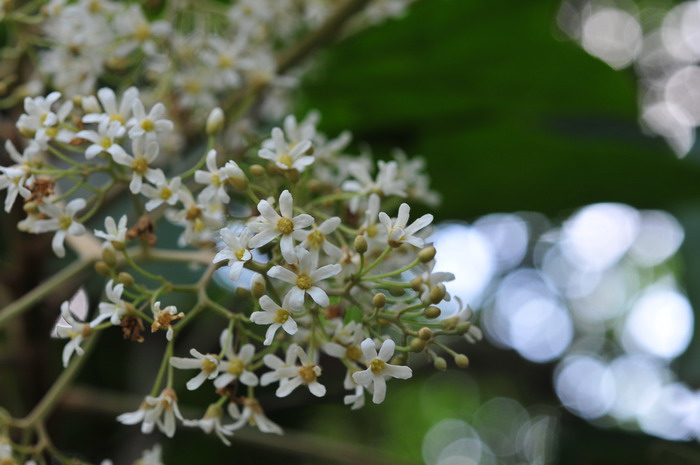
{"x": 126, "y": 279}
{"x": 399, "y": 359}
{"x": 257, "y": 171}
{"x": 463, "y": 327}
{"x": 236, "y": 175}
{"x": 379, "y": 300}
{"x": 461, "y": 361}
{"x": 432, "y": 312}
{"x": 215, "y": 121}
{"x": 417, "y": 344}
{"x": 360, "y": 244}
{"x": 417, "y": 283}
{"x": 440, "y": 363}
{"x": 425, "y": 333}
{"x": 292, "y": 175}
{"x": 30, "y": 207}
{"x": 118, "y": 245}
{"x": 397, "y": 291}
{"x": 449, "y": 323}
{"x": 108, "y": 257}
{"x": 102, "y": 268}
{"x": 257, "y": 285}
{"x": 242, "y": 292}
{"x": 427, "y": 254}
{"x": 437, "y": 294}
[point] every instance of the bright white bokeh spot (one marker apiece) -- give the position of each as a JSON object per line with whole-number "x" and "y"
{"x": 541, "y": 330}
{"x": 509, "y": 236}
{"x": 599, "y": 235}
{"x": 660, "y": 236}
{"x": 447, "y": 432}
{"x": 669, "y": 120}
{"x": 638, "y": 384}
{"x": 670, "y": 417}
{"x": 660, "y": 324}
{"x": 613, "y": 35}
{"x": 585, "y": 386}
{"x": 682, "y": 92}
{"x": 609, "y": 298}
{"x": 469, "y": 255}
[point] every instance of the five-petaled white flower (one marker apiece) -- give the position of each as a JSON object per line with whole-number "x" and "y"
{"x": 271, "y": 225}
{"x": 399, "y": 232}
{"x": 275, "y": 316}
{"x": 69, "y": 326}
{"x": 142, "y": 124}
{"x": 163, "y": 318}
{"x": 115, "y": 309}
{"x": 305, "y": 279}
{"x": 235, "y": 251}
{"x": 144, "y": 154}
{"x": 378, "y": 370}
{"x": 163, "y": 191}
{"x": 105, "y": 139}
{"x": 62, "y": 220}
{"x": 215, "y": 179}
{"x": 235, "y": 365}
{"x": 207, "y": 364}
{"x": 114, "y": 234}
{"x": 285, "y": 155}
{"x": 252, "y": 414}
{"x": 113, "y": 112}
{"x": 211, "y": 421}
{"x": 151, "y": 411}
{"x": 317, "y": 238}
{"x": 294, "y": 376}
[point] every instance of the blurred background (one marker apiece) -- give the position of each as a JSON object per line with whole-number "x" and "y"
{"x": 561, "y": 137}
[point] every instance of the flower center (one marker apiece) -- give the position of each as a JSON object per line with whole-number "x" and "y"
{"x": 285, "y": 225}
{"x": 165, "y": 193}
{"x": 316, "y": 239}
{"x": 142, "y": 32}
{"x": 216, "y": 180}
{"x": 140, "y": 166}
{"x": 106, "y": 143}
{"x": 304, "y": 282}
{"x": 147, "y": 125}
{"x": 286, "y": 160}
{"x": 377, "y": 366}
{"x": 225, "y": 62}
{"x": 193, "y": 213}
{"x": 281, "y": 316}
{"x": 208, "y": 365}
{"x": 117, "y": 117}
{"x": 193, "y": 87}
{"x": 240, "y": 254}
{"x": 64, "y": 222}
{"x": 235, "y": 366}
{"x": 372, "y": 230}
{"x": 52, "y": 131}
{"x": 353, "y": 353}
{"x": 308, "y": 373}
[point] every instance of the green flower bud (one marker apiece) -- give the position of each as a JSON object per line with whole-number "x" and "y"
{"x": 360, "y": 244}
{"x": 427, "y": 254}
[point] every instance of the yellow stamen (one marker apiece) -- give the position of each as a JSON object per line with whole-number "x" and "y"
{"x": 285, "y": 225}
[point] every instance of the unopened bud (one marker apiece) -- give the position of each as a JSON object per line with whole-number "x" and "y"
{"x": 292, "y": 175}
{"x": 440, "y": 363}
{"x": 242, "y": 292}
{"x": 215, "y": 121}
{"x": 31, "y": 207}
{"x": 102, "y": 268}
{"x": 118, "y": 245}
{"x": 463, "y": 327}
{"x": 432, "y": 312}
{"x": 257, "y": 285}
{"x": 417, "y": 344}
{"x": 397, "y": 291}
{"x": 257, "y": 171}
{"x": 437, "y": 294}
{"x": 379, "y": 300}
{"x": 399, "y": 359}
{"x": 236, "y": 175}
{"x": 427, "y": 254}
{"x": 108, "y": 257}
{"x": 360, "y": 244}
{"x": 417, "y": 283}
{"x": 425, "y": 333}
{"x": 449, "y": 323}
{"x": 461, "y": 360}
{"x": 126, "y": 279}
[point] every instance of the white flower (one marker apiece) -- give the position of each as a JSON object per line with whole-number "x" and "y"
{"x": 215, "y": 179}
{"x": 61, "y": 219}
{"x": 208, "y": 366}
{"x": 115, "y": 309}
{"x": 357, "y": 399}
{"x": 151, "y": 411}
{"x": 346, "y": 342}
{"x": 212, "y": 422}
{"x": 275, "y": 316}
{"x": 397, "y": 230}
{"x": 317, "y": 238}
{"x": 254, "y": 415}
{"x": 287, "y": 156}
{"x": 15, "y": 180}
{"x": 142, "y": 124}
{"x": 200, "y": 220}
{"x": 430, "y": 280}
{"x": 378, "y": 370}
{"x": 69, "y": 327}
{"x": 386, "y": 183}
{"x": 151, "y": 456}
{"x": 163, "y": 192}
{"x": 144, "y": 154}
{"x": 235, "y": 251}
{"x": 294, "y": 376}
{"x": 136, "y": 31}
{"x": 113, "y": 112}
{"x": 114, "y": 234}
{"x": 163, "y": 318}
{"x": 234, "y": 366}
{"x": 104, "y": 139}
{"x": 271, "y": 225}
{"x": 306, "y": 278}
{"x": 273, "y": 362}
